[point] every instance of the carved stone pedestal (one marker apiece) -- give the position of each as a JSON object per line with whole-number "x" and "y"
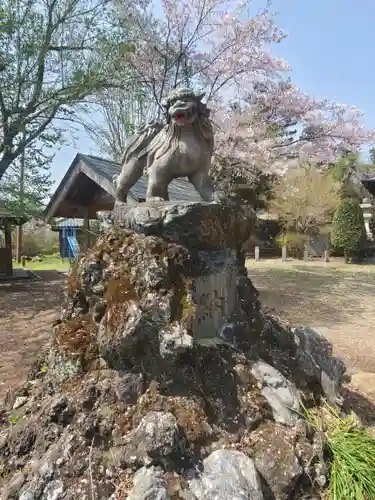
{"x": 213, "y": 235}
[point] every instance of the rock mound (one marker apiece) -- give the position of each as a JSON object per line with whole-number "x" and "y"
{"x": 165, "y": 380}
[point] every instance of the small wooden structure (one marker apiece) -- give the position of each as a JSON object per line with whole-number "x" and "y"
{"x": 72, "y": 229}
{"x": 88, "y": 188}
{"x": 7, "y": 220}
{"x": 368, "y": 181}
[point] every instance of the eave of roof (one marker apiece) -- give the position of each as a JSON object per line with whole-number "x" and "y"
{"x": 92, "y": 166}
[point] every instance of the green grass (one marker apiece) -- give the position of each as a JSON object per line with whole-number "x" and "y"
{"x": 352, "y": 452}
{"x": 49, "y": 263}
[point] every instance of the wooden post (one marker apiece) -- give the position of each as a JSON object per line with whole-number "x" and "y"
{"x": 19, "y": 243}
{"x": 21, "y": 194}
{"x": 283, "y": 254}
{"x": 257, "y": 254}
{"x": 326, "y": 255}
{"x": 306, "y": 253}
{"x": 86, "y": 229}
{"x": 8, "y": 246}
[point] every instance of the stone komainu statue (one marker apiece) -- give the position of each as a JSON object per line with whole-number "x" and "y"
{"x": 183, "y": 147}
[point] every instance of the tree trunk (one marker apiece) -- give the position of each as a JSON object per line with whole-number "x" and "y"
{"x": 19, "y": 244}
{"x": 347, "y": 257}
{"x": 5, "y": 163}
{"x": 21, "y": 202}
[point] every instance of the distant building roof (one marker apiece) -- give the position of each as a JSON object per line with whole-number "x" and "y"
{"x": 368, "y": 181}
{"x": 369, "y": 177}
{"x": 5, "y": 214}
{"x": 179, "y": 189}
{"x": 61, "y": 223}
{"x": 99, "y": 174}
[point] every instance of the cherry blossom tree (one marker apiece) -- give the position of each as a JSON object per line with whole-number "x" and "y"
{"x": 279, "y": 126}
{"x": 305, "y": 199}
{"x": 263, "y": 120}
{"x": 214, "y": 45}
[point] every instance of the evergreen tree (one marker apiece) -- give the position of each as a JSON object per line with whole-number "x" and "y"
{"x": 348, "y": 228}
{"x": 27, "y": 183}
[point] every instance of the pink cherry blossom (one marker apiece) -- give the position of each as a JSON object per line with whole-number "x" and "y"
{"x": 323, "y": 129}
{"x": 217, "y": 46}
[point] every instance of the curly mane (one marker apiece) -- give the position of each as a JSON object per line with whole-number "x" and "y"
{"x": 154, "y": 140}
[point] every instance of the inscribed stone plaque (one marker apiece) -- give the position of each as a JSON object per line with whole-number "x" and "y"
{"x": 215, "y": 296}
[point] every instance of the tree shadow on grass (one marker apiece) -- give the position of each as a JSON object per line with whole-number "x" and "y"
{"x": 308, "y": 295}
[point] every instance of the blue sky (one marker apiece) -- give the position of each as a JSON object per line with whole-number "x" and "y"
{"x": 330, "y": 48}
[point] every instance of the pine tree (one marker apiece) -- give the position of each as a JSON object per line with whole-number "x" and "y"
{"x": 27, "y": 183}
{"x": 25, "y": 187}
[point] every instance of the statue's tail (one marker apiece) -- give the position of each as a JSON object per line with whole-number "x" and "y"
{"x": 139, "y": 142}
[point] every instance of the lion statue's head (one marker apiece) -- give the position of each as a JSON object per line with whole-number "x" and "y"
{"x": 183, "y": 106}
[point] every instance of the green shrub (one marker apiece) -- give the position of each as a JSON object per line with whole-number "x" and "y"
{"x": 38, "y": 241}
{"x": 348, "y": 228}
{"x": 352, "y": 453}
{"x": 295, "y": 243}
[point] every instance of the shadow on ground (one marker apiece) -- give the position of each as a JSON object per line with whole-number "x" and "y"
{"x": 309, "y": 295}
{"x": 31, "y": 296}
{"x": 362, "y": 406}
{"x": 27, "y": 311}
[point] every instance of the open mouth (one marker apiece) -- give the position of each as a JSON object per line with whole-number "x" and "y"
{"x": 179, "y": 116}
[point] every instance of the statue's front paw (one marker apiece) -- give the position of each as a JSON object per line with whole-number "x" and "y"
{"x": 155, "y": 198}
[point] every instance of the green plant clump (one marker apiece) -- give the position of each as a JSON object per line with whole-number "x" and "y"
{"x": 348, "y": 228}
{"x": 295, "y": 243}
{"x": 352, "y": 452}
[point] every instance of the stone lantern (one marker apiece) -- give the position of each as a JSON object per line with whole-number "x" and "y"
{"x": 368, "y": 210}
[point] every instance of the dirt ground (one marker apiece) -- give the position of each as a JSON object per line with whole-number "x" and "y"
{"x": 338, "y": 301}
{"x": 27, "y": 310}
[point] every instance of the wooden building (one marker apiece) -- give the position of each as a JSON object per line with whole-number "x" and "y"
{"x": 7, "y": 220}
{"x": 368, "y": 182}
{"x": 88, "y": 188}
{"x": 72, "y": 231}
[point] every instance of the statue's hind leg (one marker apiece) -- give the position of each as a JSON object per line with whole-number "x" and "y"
{"x": 130, "y": 174}
{"x": 204, "y": 185}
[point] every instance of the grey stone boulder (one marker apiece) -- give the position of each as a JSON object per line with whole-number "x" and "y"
{"x": 149, "y": 484}
{"x": 157, "y": 436}
{"x": 314, "y": 355}
{"x": 276, "y": 461}
{"x": 281, "y": 395}
{"x": 227, "y": 475}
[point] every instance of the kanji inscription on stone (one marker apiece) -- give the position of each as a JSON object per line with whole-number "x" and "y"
{"x": 215, "y": 297}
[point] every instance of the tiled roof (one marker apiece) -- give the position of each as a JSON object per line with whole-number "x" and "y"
{"x": 106, "y": 168}
{"x": 179, "y": 189}
{"x": 68, "y": 223}
{"x": 12, "y": 218}
{"x": 369, "y": 178}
